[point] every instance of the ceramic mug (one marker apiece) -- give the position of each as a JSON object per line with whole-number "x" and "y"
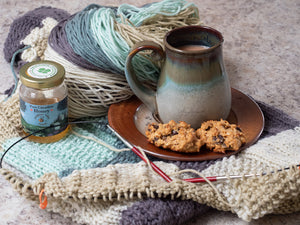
{"x": 193, "y": 85}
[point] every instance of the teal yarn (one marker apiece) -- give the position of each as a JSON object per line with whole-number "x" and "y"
{"x": 91, "y": 35}
{"x": 93, "y": 45}
{"x": 16, "y": 80}
{"x": 115, "y": 47}
{"x": 70, "y": 153}
{"x": 102, "y": 27}
{"x": 83, "y": 43}
{"x": 138, "y": 16}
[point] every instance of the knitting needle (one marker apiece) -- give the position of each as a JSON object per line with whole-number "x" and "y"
{"x": 155, "y": 168}
{"x": 138, "y": 153}
{"x": 192, "y": 180}
{"x": 219, "y": 178}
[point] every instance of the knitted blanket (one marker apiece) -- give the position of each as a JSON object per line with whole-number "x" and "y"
{"x": 91, "y": 177}
{"x": 87, "y": 181}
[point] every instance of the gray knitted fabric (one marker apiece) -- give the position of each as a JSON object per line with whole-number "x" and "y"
{"x": 160, "y": 211}
{"x": 276, "y": 120}
{"x": 22, "y": 26}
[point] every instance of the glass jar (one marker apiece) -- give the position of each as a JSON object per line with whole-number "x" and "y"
{"x": 43, "y": 101}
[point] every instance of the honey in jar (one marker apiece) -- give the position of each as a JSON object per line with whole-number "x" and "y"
{"x": 43, "y": 101}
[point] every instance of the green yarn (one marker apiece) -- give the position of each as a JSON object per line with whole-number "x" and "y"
{"x": 13, "y": 59}
{"x": 83, "y": 43}
{"x": 115, "y": 47}
{"x": 112, "y": 44}
{"x": 138, "y": 16}
{"x": 91, "y": 34}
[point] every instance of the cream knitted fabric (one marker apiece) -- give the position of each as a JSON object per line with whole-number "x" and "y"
{"x": 38, "y": 39}
{"x": 265, "y": 194}
{"x": 10, "y": 122}
{"x": 249, "y": 197}
{"x": 106, "y": 191}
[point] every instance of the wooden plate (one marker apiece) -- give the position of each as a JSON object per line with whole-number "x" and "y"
{"x": 129, "y": 118}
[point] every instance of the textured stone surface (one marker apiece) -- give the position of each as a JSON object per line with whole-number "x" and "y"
{"x": 261, "y": 54}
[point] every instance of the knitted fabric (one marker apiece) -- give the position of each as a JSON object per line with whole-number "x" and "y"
{"x": 276, "y": 121}
{"x": 165, "y": 212}
{"x": 68, "y": 154}
{"x": 10, "y": 125}
{"x": 92, "y": 184}
{"x": 22, "y": 26}
{"x": 37, "y": 39}
{"x": 114, "y": 191}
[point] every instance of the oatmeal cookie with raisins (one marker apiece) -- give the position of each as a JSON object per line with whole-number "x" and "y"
{"x": 220, "y": 136}
{"x": 178, "y": 137}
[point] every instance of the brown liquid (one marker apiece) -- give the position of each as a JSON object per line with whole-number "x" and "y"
{"x": 192, "y": 47}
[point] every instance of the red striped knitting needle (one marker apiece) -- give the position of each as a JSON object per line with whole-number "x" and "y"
{"x": 219, "y": 178}
{"x": 138, "y": 153}
{"x": 155, "y": 168}
{"x": 192, "y": 180}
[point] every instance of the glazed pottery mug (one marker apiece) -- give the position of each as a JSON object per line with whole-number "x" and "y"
{"x": 193, "y": 85}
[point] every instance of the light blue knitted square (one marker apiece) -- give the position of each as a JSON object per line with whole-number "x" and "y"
{"x": 70, "y": 153}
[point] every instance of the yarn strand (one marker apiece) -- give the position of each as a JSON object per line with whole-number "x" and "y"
{"x": 13, "y": 70}
{"x": 93, "y": 44}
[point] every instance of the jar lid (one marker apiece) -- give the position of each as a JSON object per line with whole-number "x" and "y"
{"x": 42, "y": 74}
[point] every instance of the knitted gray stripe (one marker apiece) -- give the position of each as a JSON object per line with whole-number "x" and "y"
{"x": 22, "y": 26}
{"x": 175, "y": 212}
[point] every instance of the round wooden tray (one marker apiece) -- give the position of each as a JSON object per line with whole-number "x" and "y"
{"x": 130, "y": 118}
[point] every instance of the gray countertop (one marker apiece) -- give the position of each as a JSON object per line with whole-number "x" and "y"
{"x": 261, "y": 54}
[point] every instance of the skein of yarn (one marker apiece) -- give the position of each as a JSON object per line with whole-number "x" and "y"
{"x": 93, "y": 44}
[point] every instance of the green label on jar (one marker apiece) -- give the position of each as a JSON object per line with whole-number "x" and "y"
{"x": 42, "y": 71}
{"x": 53, "y": 117}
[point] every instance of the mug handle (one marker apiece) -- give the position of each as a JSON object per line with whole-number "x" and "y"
{"x": 145, "y": 94}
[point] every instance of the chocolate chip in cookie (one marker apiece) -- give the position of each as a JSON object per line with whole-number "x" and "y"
{"x": 220, "y": 136}
{"x": 178, "y": 137}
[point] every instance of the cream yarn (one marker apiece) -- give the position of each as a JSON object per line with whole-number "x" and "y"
{"x": 38, "y": 39}
{"x": 90, "y": 92}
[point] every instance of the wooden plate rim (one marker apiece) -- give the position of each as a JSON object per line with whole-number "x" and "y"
{"x": 248, "y": 113}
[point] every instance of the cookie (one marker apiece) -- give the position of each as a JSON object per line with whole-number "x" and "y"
{"x": 220, "y": 136}
{"x": 178, "y": 137}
